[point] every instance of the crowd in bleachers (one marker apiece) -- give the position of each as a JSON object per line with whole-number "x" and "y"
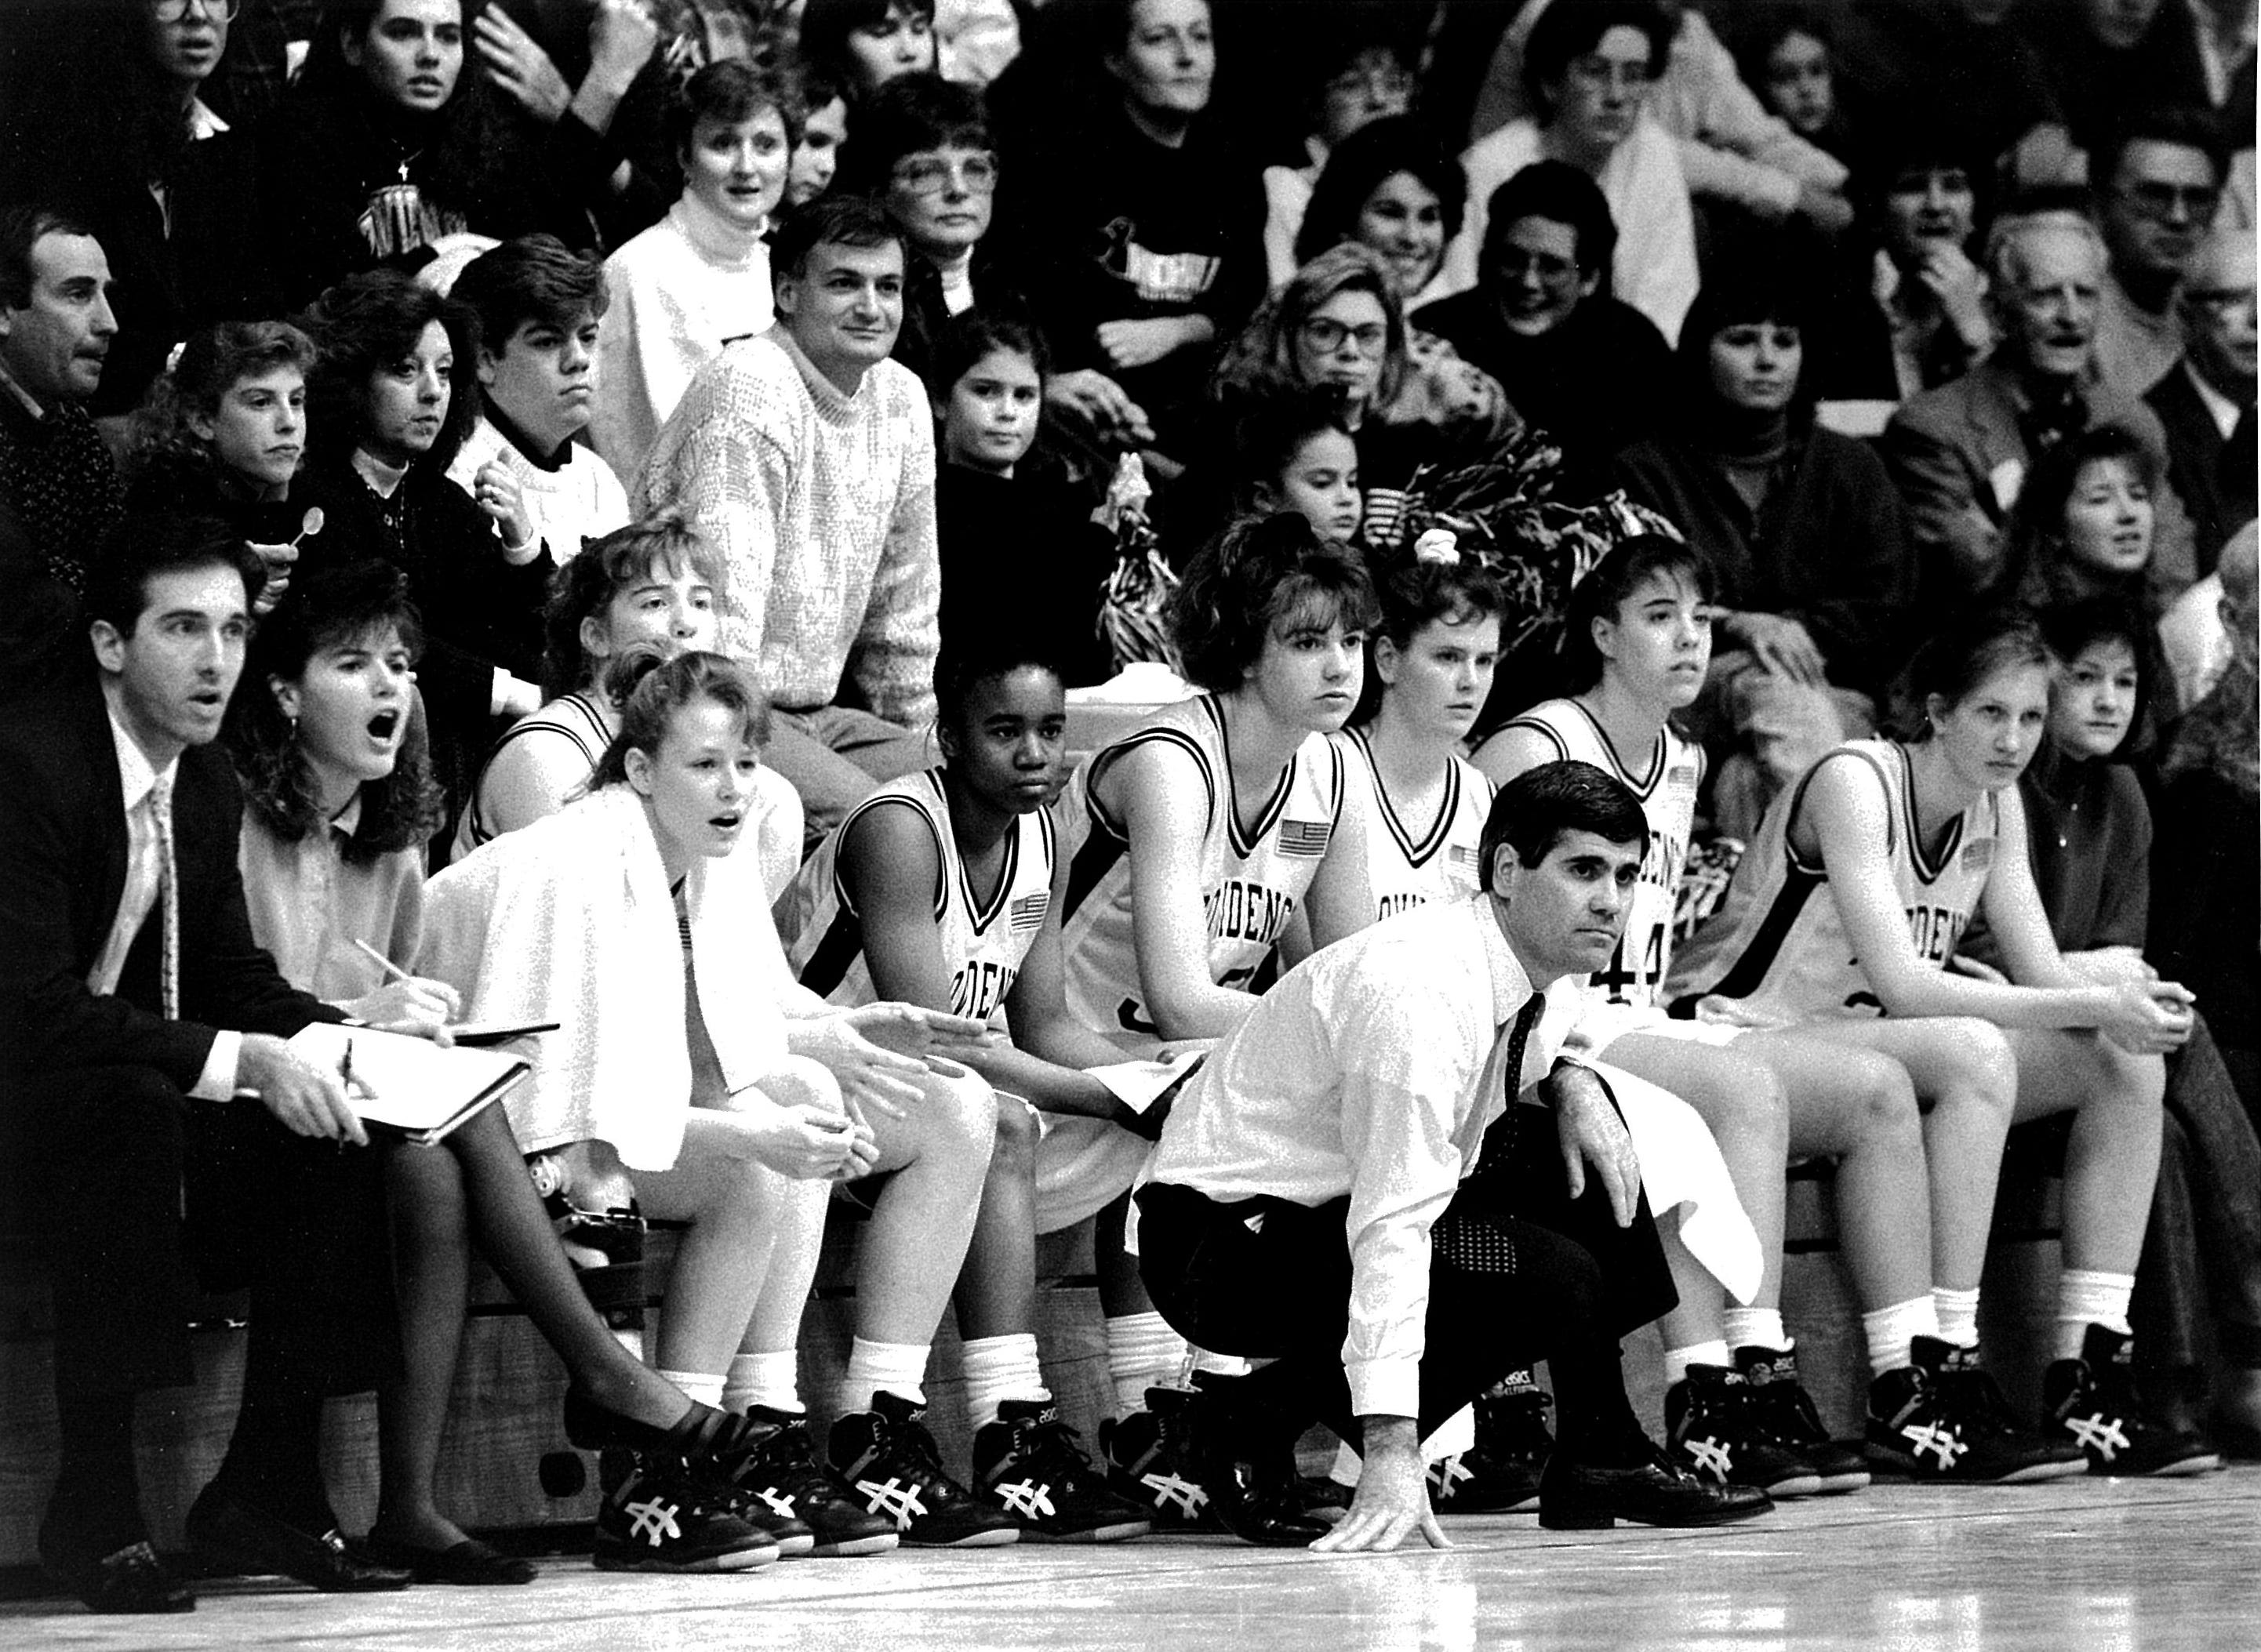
{"x": 610, "y": 514}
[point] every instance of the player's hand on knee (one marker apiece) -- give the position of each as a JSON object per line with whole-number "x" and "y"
{"x": 1392, "y": 1504}
{"x": 1592, "y": 1133}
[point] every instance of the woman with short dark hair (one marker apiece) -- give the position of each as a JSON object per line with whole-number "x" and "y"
{"x": 390, "y": 407}
{"x": 700, "y": 278}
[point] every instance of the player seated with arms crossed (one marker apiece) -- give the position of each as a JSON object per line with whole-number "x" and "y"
{"x": 1191, "y": 844}
{"x": 944, "y": 888}
{"x": 1638, "y": 643}
{"x": 1840, "y": 923}
{"x": 1383, "y": 1183}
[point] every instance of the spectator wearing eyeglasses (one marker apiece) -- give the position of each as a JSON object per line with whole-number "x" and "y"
{"x": 922, "y": 149}
{"x": 1587, "y": 70}
{"x": 700, "y": 278}
{"x": 2206, "y": 400}
{"x": 2158, "y": 180}
{"x": 1356, "y": 78}
{"x": 1543, "y": 321}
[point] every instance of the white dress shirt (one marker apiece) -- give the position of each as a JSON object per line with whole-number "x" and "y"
{"x": 144, "y": 873}
{"x": 1372, "y": 1069}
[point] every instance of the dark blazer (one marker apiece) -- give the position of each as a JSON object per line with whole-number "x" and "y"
{"x": 62, "y": 863}
{"x": 2215, "y": 486}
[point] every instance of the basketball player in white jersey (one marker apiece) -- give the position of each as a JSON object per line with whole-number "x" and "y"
{"x": 1191, "y": 843}
{"x": 944, "y": 888}
{"x": 1840, "y": 923}
{"x": 651, "y": 581}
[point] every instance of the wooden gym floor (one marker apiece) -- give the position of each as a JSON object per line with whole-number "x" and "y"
{"x": 2078, "y": 1564}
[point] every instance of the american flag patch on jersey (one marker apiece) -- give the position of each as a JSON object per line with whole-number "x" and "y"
{"x": 1029, "y": 911}
{"x": 1461, "y": 857}
{"x": 1305, "y": 838}
{"x": 1680, "y": 775}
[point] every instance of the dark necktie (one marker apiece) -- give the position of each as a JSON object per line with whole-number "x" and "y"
{"x": 1467, "y": 1238}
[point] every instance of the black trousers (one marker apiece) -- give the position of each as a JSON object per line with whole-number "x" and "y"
{"x": 1266, "y": 1278}
{"x": 145, "y": 1195}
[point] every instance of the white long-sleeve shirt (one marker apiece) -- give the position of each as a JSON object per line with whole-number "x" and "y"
{"x": 1372, "y": 1068}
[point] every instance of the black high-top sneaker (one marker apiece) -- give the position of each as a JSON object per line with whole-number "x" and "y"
{"x": 1499, "y": 1474}
{"x": 2092, "y": 1404}
{"x": 1150, "y": 1463}
{"x": 1787, "y": 1411}
{"x": 1943, "y": 1419}
{"x": 1032, "y": 1465}
{"x": 1713, "y": 1429}
{"x": 886, "y": 1455}
{"x": 659, "y": 1518}
{"x": 1245, "y": 1459}
{"x": 778, "y": 1467}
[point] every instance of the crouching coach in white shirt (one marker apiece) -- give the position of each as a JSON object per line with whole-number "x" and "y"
{"x": 1383, "y": 1185}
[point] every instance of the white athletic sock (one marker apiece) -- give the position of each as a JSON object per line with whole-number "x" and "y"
{"x": 899, "y": 1368}
{"x": 1757, "y": 1327}
{"x": 1677, "y": 1360}
{"x": 1958, "y": 1315}
{"x": 1142, "y": 1353}
{"x": 771, "y": 1380}
{"x": 1223, "y": 1364}
{"x": 2086, "y": 1298}
{"x": 1892, "y": 1330}
{"x": 998, "y": 1368}
{"x": 706, "y": 1387}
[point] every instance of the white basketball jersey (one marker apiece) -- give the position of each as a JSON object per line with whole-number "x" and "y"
{"x": 982, "y": 941}
{"x": 1250, "y": 882}
{"x": 1671, "y": 771}
{"x": 1390, "y": 864}
{"x": 1777, "y": 951}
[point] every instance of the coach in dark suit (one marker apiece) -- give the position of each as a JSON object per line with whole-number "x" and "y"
{"x": 138, "y": 1022}
{"x": 2206, "y": 400}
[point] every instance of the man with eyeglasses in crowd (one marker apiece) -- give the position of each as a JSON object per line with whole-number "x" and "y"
{"x": 2157, "y": 182}
{"x": 806, "y": 457}
{"x": 2206, "y": 400}
{"x": 923, "y": 150}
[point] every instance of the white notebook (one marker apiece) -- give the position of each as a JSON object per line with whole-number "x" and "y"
{"x": 422, "y": 1092}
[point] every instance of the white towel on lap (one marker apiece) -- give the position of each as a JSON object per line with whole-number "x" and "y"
{"x": 1681, "y": 1169}
{"x": 572, "y": 920}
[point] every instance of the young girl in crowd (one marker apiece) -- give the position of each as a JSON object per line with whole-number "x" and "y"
{"x": 1839, "y": 924}
{"x": 388, "y": 411}
{"x": 650, "y": 584}
{"x": 223, "y": 433}
{"x": 1300, "y": 457}
{"x": 946, "y": 889}
{"x": 1005, "y": 522}
{"x": 339, "y": 801}
{"x": 1802, "y": 533}
{"x": 627, "y": 912}
{"x": 700, "y": 278}
{"x": 1193, "y": 840}
{"x": 1635, "y": 649}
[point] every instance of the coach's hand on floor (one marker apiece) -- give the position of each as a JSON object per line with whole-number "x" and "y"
{"x": 1392, "y": 1494}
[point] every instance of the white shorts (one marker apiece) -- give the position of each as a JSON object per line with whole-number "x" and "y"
{"x": 1601, "y": 1028}
{"x": 1083, "y": 1165}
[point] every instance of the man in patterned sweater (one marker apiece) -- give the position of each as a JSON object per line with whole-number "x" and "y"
{"x": 807, "y": 457}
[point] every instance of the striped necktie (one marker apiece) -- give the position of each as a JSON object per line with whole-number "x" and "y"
{"x": 168, "y": 892}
